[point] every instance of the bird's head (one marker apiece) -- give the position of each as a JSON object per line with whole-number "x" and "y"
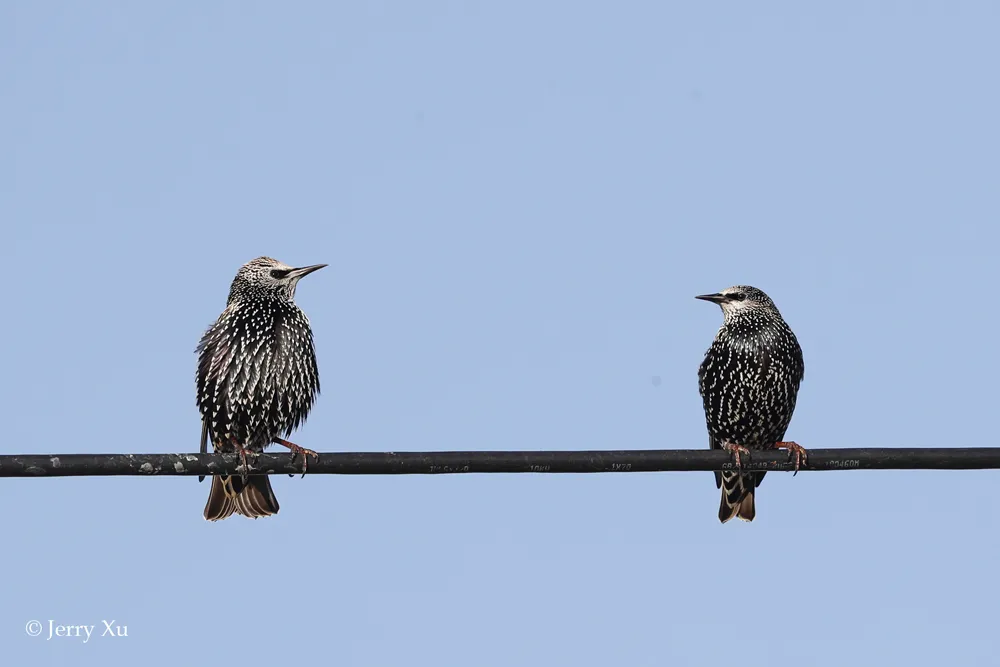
{"x": 268, "y": 278}
{"x": 740, "y": 300}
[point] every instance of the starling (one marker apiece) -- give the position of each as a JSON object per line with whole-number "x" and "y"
{"x": 749, "y": 381}
{"x": 257, "y": 379}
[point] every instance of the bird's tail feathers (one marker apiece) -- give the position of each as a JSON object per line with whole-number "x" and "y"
{"x": 253, "y": 499}
{"x": 737, "y": 496}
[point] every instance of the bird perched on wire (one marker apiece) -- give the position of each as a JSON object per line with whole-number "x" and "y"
{"x": 749, "y": 382}
{"x": 257, "y": 380}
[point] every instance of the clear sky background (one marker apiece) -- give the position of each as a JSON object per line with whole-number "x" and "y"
{"x": 517, "y": 201}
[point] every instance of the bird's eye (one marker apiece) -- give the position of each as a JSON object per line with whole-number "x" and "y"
{"x": 279, "y": 274}
{"x": 738, "y": 296}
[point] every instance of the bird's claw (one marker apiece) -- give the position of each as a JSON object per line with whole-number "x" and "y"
{"x": 794, "y": 450}
{"x": 305, "y": 454}
{"x": 298, "y": 450}
{"x": 244, "y": 462}
{"x": 736, "y": 450}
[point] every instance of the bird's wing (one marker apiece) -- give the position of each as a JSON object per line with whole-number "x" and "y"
{"x": 714, "y": 443}
{"x": 204, "y": 443}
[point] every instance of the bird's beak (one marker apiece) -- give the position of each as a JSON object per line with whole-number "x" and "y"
{"x": 304, "y": 271}
{"x": 714, "y": 298}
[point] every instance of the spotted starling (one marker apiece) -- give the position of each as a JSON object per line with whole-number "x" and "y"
{"x": 749, "y": 381}
{"x": 257, "y": 379}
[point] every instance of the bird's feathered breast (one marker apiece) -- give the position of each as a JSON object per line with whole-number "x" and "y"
{"x": 257, "y": 372}
{"x": 749, "y": 381}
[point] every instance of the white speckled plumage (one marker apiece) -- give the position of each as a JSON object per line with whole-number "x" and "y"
{"x": 257, "y": 374}
{"x": 749, "y": 382}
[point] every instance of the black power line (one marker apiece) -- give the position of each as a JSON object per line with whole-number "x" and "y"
{"x": 427, "y": 463}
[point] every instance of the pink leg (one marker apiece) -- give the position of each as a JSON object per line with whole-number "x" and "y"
{"x": 298, "y": 450}
{"x": 796, "y": 450}
{"x": 243, "y": 452}
{"x": 736, "y": 450}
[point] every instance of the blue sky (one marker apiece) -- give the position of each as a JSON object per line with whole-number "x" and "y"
{"x": 517, "y": 202}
